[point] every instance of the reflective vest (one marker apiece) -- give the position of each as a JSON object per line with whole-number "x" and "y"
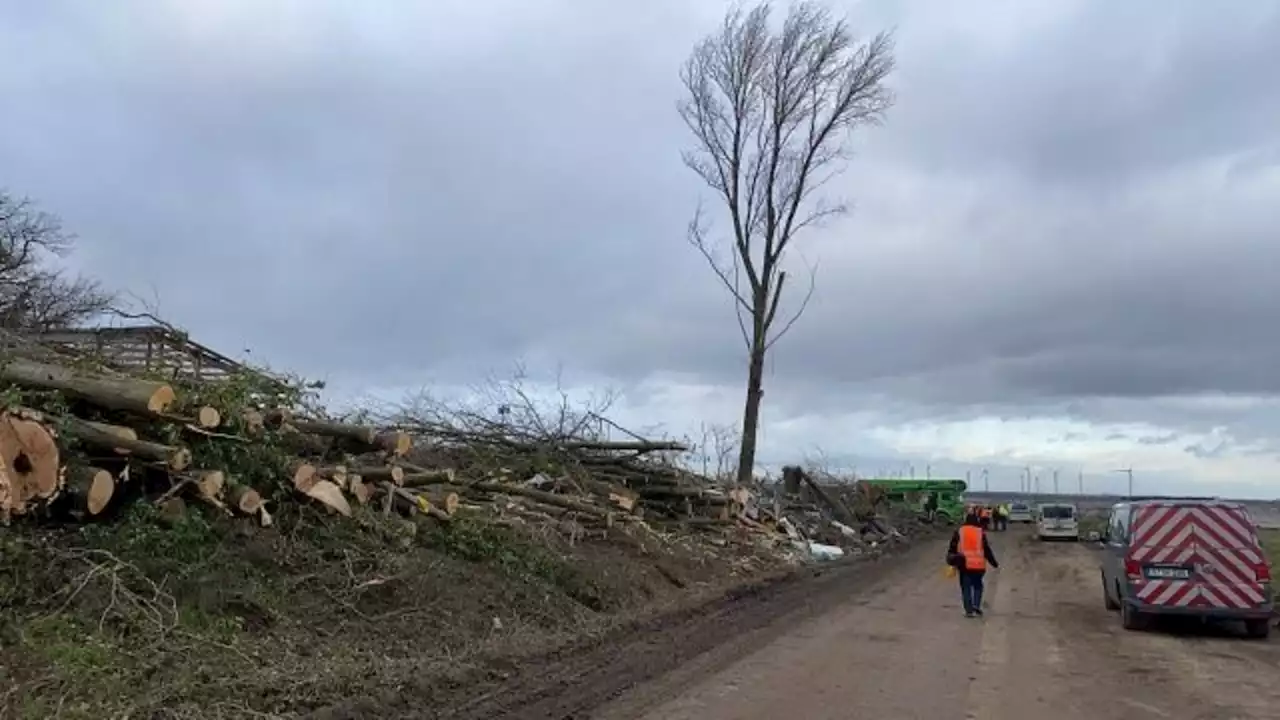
{"x": 970, "y": 546}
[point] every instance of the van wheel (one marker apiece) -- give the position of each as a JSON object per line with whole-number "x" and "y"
{"x": 1106, "y": 596}
{"x": 1258, "y": 629}
{"x": 1131, "y": 619}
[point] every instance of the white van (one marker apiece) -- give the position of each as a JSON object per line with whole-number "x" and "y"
{"x": 1056, "y": 521}
{"x": 1020, "y": 512}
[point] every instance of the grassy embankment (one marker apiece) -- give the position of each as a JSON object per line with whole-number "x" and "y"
{"x": 1270, "y": 538}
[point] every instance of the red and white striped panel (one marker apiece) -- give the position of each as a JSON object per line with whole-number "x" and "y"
{"x": 1215, "y": 538}
{"x": 1168, "y": 593}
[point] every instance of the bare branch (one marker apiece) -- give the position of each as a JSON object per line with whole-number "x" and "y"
{"x": 35, "y": 294}
{"x": 804, "y": 304}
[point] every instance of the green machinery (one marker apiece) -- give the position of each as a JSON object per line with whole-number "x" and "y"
{"x": 915, "y": 494}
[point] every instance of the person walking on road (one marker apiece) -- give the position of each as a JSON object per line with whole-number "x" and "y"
{"x": 970, "y": 553}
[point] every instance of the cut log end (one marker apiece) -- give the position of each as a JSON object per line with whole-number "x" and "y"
{"x": 337, "y": 474}
{"x": 329, "y": 495}
{"x": 394, "y": 442}
{"x": 210, "y": 483}
{"x": 30, "y": 473}
{"x": 303, "y": 476}
{"x": 360, "y": 490}
{"x": 161, "y": 398}
{"x": 446, "y": 501}
{"x": 246, "y": 500}
{"x": 208, "y": 417}
{"x": 253, "y": 421}
{"x": 92, "y": 488}
{"x": 179, "y": 459}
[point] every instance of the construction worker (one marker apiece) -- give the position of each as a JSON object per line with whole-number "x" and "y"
{"x": 984, "y": 517}
{"x": 931, "y": 506}
{"x": 1002, "y": 517}
{"x": 970, "y": 553}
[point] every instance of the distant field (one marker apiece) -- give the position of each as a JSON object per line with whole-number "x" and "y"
{"x": 1092, "y": 522}
{"x": 1270, "y": 538}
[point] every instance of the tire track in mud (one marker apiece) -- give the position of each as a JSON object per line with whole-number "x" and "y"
{"x": 886, "y": 639}
{"x": 660, "y": 658}
{"x": 1179, "y": 671}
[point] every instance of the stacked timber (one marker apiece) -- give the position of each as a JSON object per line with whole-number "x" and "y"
{"x": 80, "y": 442}
{"x": 74, "y": 441}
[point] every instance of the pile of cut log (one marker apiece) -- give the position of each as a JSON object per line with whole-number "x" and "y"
{"x": 80, "y": 443}
{"x": 77, "y": 442}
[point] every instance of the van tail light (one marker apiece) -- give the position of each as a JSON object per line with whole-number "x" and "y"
{"x": 1132, "y": 569}
{"x": 1264, "y": 572}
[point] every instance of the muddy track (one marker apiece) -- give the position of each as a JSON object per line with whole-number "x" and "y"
{"x": 572, "y": 682}
{"x": 1045, "y": 648}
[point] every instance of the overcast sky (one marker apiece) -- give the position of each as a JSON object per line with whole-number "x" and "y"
{"x": 1063, "y": 250}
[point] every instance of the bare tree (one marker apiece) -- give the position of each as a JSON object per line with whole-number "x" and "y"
{"x": 716, "y": 448}
{"x": 34, "y": 295}
{"x": 771, "y": 112}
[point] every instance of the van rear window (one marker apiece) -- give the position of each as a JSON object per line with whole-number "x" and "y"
{"x": 1058, "y": 512}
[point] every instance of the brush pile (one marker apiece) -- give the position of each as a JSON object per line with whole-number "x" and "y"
{"x": 79, "y": 439}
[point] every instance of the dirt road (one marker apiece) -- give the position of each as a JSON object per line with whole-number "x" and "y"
{"x": 902, "y": 650}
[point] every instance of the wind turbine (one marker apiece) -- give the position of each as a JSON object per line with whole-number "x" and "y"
{"x": 1127, "y": 471}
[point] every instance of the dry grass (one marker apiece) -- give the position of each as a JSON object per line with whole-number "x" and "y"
{"x": 141, "y": 619}
{"x": 1270, "y": 539}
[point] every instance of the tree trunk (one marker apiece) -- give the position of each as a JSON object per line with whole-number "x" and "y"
{"x": 540, "y": 496}
{"x": 107, "y": 437}
{"x": 91, "y": 487}
{"x": 108, "y": 391}
{"x": 380, "y": 474}
{"x": 751, "y": 409}
{"x": 394, "y": 442}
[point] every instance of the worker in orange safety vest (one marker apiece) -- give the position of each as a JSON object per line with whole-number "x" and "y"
{"x": 970, "y": 554}
{"x": 984, "y": 517}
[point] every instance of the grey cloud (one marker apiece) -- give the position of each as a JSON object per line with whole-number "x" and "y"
{"x": 1103, "y": 92}
{"x": 1202, "y": 450}
{"x": 1026, "y": 239}
{"x": 450, "y": 216}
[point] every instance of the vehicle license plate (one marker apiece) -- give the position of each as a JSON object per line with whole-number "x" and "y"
{"x": 1167, "y": 573}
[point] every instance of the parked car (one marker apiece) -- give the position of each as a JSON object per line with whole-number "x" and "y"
{"x": 1197, "y": 558}
{"x": 1020, "y": 512}
{"x": 1057, "y": 521}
